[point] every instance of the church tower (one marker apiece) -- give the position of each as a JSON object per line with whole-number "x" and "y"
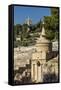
{"x": 43, "y": 46}
{"x": 28, "y": 22}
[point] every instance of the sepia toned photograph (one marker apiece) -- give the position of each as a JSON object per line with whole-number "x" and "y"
{"x": 36, "y": 44}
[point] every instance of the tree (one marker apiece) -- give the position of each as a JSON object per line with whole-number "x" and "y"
{"x": 50, "y": 34}
{"x": 17, "y": 30}
{"x": 52, "y": 24}
{"x": 55, "y": 12}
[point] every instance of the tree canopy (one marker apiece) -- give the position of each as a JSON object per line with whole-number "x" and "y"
{"x": 52, "y": 24}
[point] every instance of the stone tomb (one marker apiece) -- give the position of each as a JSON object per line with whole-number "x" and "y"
{"x": 39, "y": 58}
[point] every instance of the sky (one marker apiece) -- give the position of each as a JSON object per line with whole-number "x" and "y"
{"x": 21, "y": 13}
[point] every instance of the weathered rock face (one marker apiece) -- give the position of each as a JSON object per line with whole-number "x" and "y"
{"x": 22, "y": 56}
{"x": 55, "y": 46}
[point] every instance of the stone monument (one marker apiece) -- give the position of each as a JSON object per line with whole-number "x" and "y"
{"x": 43, "y": 46}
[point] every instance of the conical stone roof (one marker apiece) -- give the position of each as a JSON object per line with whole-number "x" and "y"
{"x": 42, "y": 38}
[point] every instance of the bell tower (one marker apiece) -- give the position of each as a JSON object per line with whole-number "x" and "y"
{"x": 28, "y": 22}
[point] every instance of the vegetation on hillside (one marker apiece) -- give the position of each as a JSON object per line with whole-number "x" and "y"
{"x": 28, "y": 37}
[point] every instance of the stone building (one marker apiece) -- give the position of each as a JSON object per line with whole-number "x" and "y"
{"x": 43, "y": 58}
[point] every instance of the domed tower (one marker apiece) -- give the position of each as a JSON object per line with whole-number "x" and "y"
{"x": 43, "y": 46}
